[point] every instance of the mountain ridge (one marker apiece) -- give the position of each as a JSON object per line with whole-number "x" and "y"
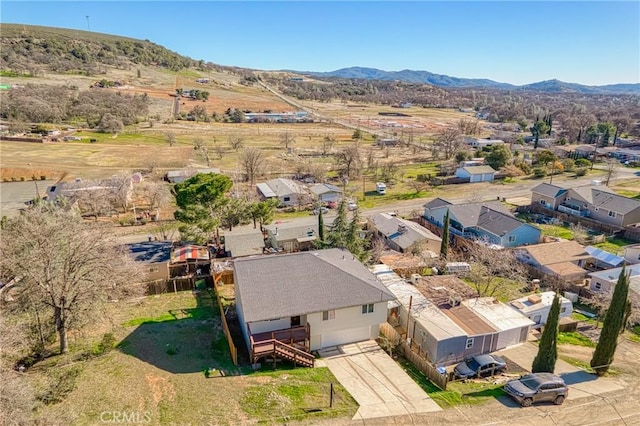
{"x": 441, "y": 80}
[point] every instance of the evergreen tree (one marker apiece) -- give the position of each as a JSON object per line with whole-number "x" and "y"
{"x": 336, "y": 237}
{"x": 320, "y": 225}
{"x": 612, "y": 326}
{"x": 354, "y": 242}
{"x": 545, "y": 360}
{"x": 444, "y": 246}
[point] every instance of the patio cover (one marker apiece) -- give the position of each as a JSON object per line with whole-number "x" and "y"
{"x": 604, "y": 256}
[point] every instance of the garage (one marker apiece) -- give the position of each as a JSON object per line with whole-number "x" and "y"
{"x": 339, "y": 337}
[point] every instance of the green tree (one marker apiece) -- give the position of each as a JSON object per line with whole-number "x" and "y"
{"x": 336, "y": 237}
{"x": 539, "y": 128}
{"x": 444, "y": 246}
{"x": 499, "y": 156}
{"x": 354, "y": 242}
{"x": 263, "y": 211}
{"x": 545, "y": 157}
{"x": 545, "y": 360}
{"x": 320, "y": 224}
{"x": 234, "y": 212}
{"x": 199, "y": 200}
{"x": 357, "y": 134}
{"x": 612, "y": 326}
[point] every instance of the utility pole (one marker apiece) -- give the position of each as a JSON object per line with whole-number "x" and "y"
{"x": 88, "y": 26}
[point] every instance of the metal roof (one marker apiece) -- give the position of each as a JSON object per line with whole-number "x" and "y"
{"x": 604, "y": 256}
{"x": 428, "y": 315}
{"x": 265, "y": 190}
{"x": 151, "y": 251}
{"x": 497, "y": 314}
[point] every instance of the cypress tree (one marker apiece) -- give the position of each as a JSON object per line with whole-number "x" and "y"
{"x": 336, "y": 237}
{"x": 545, "y": 360}
{"x": 354, "y": 242}
{"x": 320, "y": 225}
{"x": 612, "y": 326}
{"x": 444, "y": 246}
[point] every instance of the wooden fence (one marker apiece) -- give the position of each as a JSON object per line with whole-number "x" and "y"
{"x": 177, "y": 284}
{"x": 421, "y": 363}
{"x": 225, "y": 326}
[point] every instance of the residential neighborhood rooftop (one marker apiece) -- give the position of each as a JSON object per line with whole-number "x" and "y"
{"x": 549, "y": 190}
{"x": 497, "y": 314}
{"x": 556, "y": 252}
{"x": 243, "y": 242}
{"x": 151, "y": 251}
{"x": 479, "y": 170}
{"x": 526, "y": 306}
{"x": 277, "y": 286}
{"x": 403, "y": 232}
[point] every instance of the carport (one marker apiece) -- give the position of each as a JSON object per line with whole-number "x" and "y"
{"x": 378, "y": 384}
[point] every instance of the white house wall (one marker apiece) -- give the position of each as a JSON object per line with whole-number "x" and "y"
{"x": 346, "y": 319}
{"x": 273, "y": 325}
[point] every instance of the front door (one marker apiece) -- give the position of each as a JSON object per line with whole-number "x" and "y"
{"x": 295, "y": 321}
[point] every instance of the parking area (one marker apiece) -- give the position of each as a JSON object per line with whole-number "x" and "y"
{"x": 14, "y": 195}
{"x": 581, "y": 384}
{"x": 378, "y": 384}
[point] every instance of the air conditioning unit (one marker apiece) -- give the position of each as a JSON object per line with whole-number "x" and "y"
{"x": 415, "y": 278}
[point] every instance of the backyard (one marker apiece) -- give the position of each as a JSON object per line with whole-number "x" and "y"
{"x": 165, "y": 343}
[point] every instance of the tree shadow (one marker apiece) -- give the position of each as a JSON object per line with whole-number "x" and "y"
{"x": 576, "y": 377}
{"x": 186, "y": 341}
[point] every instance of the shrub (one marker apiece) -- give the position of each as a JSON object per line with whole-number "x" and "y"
{"x": 13, "y": 179}
{"x": 525, "y": 167}
{"x": 107, "y": 343}
{"x": 43, "y": 177}
{"x": 61, "y": 383}
{"x": 581, "y": 172}
{"x": 539, "y": 173}
{"x": 568, "y": 164}
{"x": 583, "y": 162}
{"x": 22, "y": 178}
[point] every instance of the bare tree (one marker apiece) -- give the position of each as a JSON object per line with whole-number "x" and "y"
{"x": 236, "y": 142}
{"x": 611, "y": 170}
{"x": 252, "y": 161}
{"x": 493, "y": 269}
{"x": 153, "y": 193}
{"x": 349, "y": 158}
{"x": 327, "y": 144}
{"x": 287, "y": 139}
{"x": 120, "y": 188}
{"x": 202, "y": 149}
{"x": 68, "y": 265}
{"x": 447, "y": 143}
{"x": 93, "y": 197}
{"x": 418, "y": 186}
{"x": 468, "y": 126}
{"x": 378, "y": 247}
{"x": 170, "y": 137}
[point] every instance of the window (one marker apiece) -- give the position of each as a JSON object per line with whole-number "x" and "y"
{"x": 543, "y": 202}
{"x": 469, "y": 343}
{"x": 612, "y": 214}
{"x": 598, "y": 286}
{"x": 287, "y": 198}
{"x": 563, "y": 310}
{"x": 328, "y": 315}
{"x": 367, "y": 309}
{"x": 537, "y": 319}
{"x": 154, "y": 269}
{"x": 512, "y": 238}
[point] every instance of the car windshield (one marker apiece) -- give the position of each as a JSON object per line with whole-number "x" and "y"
{"x": 530, "y": 381}
{"x": 472, "y": 364}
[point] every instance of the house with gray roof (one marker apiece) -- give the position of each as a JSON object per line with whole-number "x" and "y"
{"x": 292, "y": 236}
{"x": 596, "y": 202}
{"x": 289, "y": 192}
{"x": 329, "y": 293}
{"x": 242, "y": 242}
{"x": 476, "y": 173}
{"x": 490, "y": 222}
{"x": 177, "y": 176}
{"x": 400, "y": 235}
{"x": 605, "y": 281}
{"x": 326, "y": 192}
{"x": 155, "y": 256}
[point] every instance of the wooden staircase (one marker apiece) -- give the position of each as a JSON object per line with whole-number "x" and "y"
{"x": 276, "y": 349}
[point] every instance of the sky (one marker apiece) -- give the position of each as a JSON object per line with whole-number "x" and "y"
{"x": 517, "y": 42}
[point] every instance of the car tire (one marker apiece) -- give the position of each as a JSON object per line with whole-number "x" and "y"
{"x": 527, "y": 402}
{"x": 559, "y": 400}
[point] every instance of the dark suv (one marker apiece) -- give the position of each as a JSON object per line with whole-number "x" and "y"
{"x": 537, "y": 387}
{"x": 480, "y": 366}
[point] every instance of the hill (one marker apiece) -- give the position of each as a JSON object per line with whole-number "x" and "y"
{"x": 30, "y": 50}
{"x": 411, "y": 76}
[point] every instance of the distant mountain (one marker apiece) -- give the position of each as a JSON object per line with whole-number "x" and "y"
{"x": 411, "y": 76}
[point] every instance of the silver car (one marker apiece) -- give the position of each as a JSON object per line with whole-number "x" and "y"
{"x": 537, "y": 387}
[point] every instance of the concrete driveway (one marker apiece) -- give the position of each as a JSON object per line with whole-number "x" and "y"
{"x": 378, "y": 384}
{"x": 581, "y": 384}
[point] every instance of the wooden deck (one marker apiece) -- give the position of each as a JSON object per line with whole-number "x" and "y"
{"x": 289, "y": 343}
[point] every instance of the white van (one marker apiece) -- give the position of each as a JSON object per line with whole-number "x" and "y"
{"x": 381, "y": 188}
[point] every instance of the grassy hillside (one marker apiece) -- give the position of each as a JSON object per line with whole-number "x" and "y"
{"x": 31, "y": 50}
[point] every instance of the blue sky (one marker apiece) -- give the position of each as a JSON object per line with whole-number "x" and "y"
{"x": 516, "y": 42}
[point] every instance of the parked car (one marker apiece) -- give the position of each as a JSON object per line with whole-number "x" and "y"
{"x": 331, "y": 204}
{"x": 480, "y": 366}
{"x": 324, "y": 210}
{"x": 351, "y": 206}
{"x": 537, "y": 387}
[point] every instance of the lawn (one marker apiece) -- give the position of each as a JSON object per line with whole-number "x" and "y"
{"x": 575, "y": 338}
{"x": 614, "y": 245}
{"x": 164, "y": 344}
{"x": 557, "y": 231}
